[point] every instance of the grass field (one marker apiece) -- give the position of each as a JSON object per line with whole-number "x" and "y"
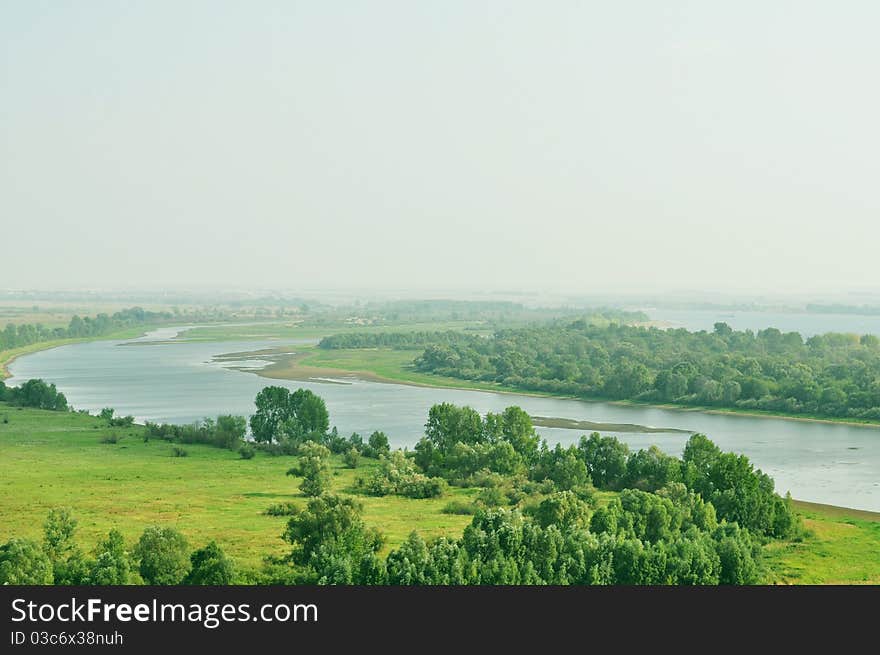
{"x": 53, "y": 459}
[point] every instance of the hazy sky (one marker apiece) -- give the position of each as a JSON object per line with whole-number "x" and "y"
{"x": 582, "y": 146}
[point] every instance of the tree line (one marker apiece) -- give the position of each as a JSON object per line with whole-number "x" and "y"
{"x": 16, "y": 336}
{"x": 827, "y": 375}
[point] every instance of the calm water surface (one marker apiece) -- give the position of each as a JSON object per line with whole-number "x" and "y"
{"x": 178, "y": 382}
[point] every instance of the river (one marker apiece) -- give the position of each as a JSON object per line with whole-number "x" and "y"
{"x": 808, "y": 324}
{"x": 178, "y": 382}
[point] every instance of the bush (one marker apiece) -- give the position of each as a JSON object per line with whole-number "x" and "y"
{"x": 492, "y": 497}
{"x": 421, "y": 486}
{"x": 247, "y": 451}
{"x": 179, "y": 452}
{"x": 351, "y": 458}
{"x": 459, "y": 507}
{"x": 281, "y": 509}
{"x": 397, "y": 474}
{"x": 111, "y": 438}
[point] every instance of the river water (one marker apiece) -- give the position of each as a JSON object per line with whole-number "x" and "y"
{"x": 807, "y": 324}
{"x": 178, "y": 382}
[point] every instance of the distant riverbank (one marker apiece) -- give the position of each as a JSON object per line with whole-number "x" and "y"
{"x": 395, "y": 367}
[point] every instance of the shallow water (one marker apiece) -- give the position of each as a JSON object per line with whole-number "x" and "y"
{"x": 179, "y": 382}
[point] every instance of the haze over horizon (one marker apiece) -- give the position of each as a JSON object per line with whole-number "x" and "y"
{"x": 585, "y": 148}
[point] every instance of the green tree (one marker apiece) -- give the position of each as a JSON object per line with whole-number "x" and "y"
{"x": 112, "y": 563}
{"x": 163, "y": 555}
{"x": 210, "y": 566}
{"x": 605, "y": 459}
{"x": 23, "y": 562}
{"x": 331, "y": 543}
{"x": 58, "y": 531}
{"x": 314, "y": 468}
{"x": 273, "y": 411}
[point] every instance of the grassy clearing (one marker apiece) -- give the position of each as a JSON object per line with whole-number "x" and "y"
{"x": 842, "y": 547}
{"x": 52, "y": 459}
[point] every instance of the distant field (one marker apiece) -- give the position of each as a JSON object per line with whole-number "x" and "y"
{"x": 58, "y": 314}
{"x": 294, "y": 330}
{"x": 50, "y": 459}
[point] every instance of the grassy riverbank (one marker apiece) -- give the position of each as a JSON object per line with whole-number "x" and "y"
{"x": 53, "y": 459}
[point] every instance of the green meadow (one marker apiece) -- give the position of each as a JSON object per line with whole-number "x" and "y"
{"x": 57, "y": 459}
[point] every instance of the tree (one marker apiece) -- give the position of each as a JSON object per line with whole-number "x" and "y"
{"x": 651, "y": 469}
{"x": 273, "y": 411}
{"x": 112, "y": 564}
{"x": 163, "y": 555}
{"x": 564, "y": 510}
{"x": 210, "y": 566}
{"x": 314, "y": 468}
{"x": 737, "y": 555}
{"x": 309, "y": 412}
{"x": 23, "y": 562}
{"x": 281, "y": 414}
{"x": 331, "y": 544}
{"x": 58, "y": 531}
{"x": 448, "y": 424}
{"x": 411, "y": 563}
{"x": 378, "y": 445}
{"x": 605, "y": 459}
{"x": 518, "y": 431}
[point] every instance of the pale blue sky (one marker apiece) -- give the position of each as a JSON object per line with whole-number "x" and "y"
{"x": 578, "y": 146}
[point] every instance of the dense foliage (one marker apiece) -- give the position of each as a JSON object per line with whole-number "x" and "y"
{"x": 835, "y": 375}
{"x": 282, "y": 415}
{"x": 34, "y": 393}
{"x": 227, "y": 431}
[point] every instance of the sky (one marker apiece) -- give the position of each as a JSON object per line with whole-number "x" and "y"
{"x": 586, "y": 147}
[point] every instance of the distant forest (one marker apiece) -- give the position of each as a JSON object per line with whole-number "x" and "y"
{"x": 833, "y": 375}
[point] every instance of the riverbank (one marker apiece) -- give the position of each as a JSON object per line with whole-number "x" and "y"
{"x": 395, "y": 367}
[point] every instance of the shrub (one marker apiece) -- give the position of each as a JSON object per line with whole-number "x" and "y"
{"x": 281, "y": 509}
{"x": 111, "y": 438}
{"x": 351, "y": 458}
{"x": 459, "y": 507}
{"x": 492, "y": 497}
{"x": 179, "y": 452}
{"x": 397, "y": 474}
{"x": 247, "y": 451}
